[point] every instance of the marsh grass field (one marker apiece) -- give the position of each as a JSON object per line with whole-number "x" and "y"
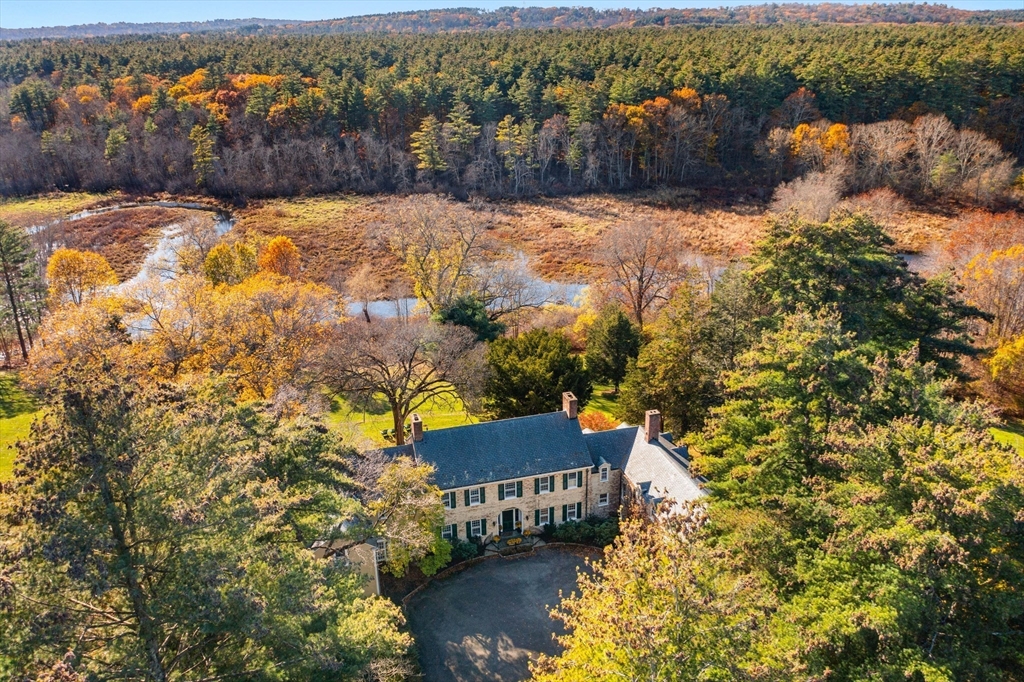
{"x": 562, "y": 236}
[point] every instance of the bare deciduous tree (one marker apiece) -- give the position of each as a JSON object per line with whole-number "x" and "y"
{"x": 439, "y": 243}
{"x": 642, "y": 260}
{"x": 933, "y": 136}
{"x": 883, "y": 153}
{"x": 406, "y": 363}
{"x": 193, "y": 239}
{"x": 812, "y": 196}
{"x": 508, "y": 287}
{"x": 983, "y": 169}
{"x": 882, "y": 204}
{"x": 364, "y": 287}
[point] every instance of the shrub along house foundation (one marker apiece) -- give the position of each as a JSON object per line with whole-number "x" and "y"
{"x": 511, "y": 475}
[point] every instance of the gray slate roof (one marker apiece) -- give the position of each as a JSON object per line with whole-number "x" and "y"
{"x": 662, "y": 471}
{"x": 611, "y": 447}
{"x": 505, "y": 449}
{"x": 400, "y": 451}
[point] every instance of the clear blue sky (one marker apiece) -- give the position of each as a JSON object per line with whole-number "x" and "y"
{"x": 35, "y": 13}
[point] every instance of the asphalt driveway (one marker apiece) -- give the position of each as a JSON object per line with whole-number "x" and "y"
{"x": 489, "y": 621}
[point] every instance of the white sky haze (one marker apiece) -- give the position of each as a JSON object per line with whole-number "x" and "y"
{"x": 36, "y": 13}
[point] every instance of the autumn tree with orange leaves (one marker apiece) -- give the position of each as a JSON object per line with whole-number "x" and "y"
{"x": 281, "y": 257}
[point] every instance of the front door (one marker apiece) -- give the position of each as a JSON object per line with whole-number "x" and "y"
{"x": 508, "y": 521}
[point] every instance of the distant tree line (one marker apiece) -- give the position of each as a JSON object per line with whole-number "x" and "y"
{"x": 505, "y": 18}
{"x": 503, "y": 114}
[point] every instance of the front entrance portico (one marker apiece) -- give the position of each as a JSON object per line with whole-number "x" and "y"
{"x": 510, "y": 521}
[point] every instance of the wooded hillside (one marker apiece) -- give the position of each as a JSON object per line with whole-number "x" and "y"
{"x": 514, "y": 113}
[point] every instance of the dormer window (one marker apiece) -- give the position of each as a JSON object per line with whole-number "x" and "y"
{"x": 604, "y": 474}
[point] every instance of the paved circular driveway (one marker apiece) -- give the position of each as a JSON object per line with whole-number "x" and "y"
{"x": 489, "y": 621}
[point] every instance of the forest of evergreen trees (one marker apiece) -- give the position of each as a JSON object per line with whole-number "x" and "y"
{"x": 518, "y": 112}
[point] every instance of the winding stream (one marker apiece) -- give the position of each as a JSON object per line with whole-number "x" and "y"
{"x": 160, "y": 262}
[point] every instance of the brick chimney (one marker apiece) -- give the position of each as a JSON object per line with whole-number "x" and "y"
{"x": 416, "y": 425}
{"x": 652, "y": 425}
{"x": 569, "y": 405}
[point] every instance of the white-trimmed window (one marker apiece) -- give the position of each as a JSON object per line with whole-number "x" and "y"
{"x": 380, "y": 553}
{"x": 448, "y": 499}
{"x": 476, "y": 496}
{"x": 544, "y": 517}
{"x": 476, "y": 528}
{"x": 602, "y": 500}
{"x": 572, "y": 512}
{"x": 450, "y": 532}
{"x": 604, "y": 474}
{"x": 509, "y": 489}
{"x": 573, "y": 480}
{"x": 543, "y": 485}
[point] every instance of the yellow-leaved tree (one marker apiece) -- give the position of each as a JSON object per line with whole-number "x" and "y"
{"x": 281, "y": 257}
{"x": 75, "y": 276}
{"x": 266, "y": 332}
{"x": 230, "y": 263}
{"x": 995, "y": 283}
{"x": 90, "y": 336}
{"x": 1007, "y": 369}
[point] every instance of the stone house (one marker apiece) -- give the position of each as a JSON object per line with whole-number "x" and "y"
{"x": 511, "y": 475}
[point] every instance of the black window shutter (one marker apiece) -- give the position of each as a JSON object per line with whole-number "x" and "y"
{"x": 483, "y": 526}
{"x": 551, "y": 483}
{"x": 565, "y": 481}
{"x": 536, "y": 486}
{"x": 467, "y": 497}
{"x": 483, "y": 497}
{"x": 519, "y": 488}
{"x": 565, "y": 513}
{"x": 536, "y": 517}
{"x": 551, "y": 514}
{"x": 579, "y": 479}
{"x": 454, "y": 500}
{"x": 579, "y": 509}
{"x": 501, "y": 491}
{"x": 469, "y": 529}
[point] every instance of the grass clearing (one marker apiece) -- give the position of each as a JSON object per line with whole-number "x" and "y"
{"x": 369, "y": 422}
{"x": 17, "y": 412}
{"x": 27, "y": 211}
{"x": 603, "y": 400}
{"x": 1011, "y": 433}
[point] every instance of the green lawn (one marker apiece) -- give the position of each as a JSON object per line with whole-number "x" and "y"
{"x": 603, "y": 400}
{"x": 17, "y": 411}
{"x": 1011, "y": 433}
{"x": 371, "y": 420}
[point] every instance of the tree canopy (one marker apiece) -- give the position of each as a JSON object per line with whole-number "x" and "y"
{"x": 155, "y": 533}
{"x": 530, "y": 372}
{"x": 518, "y": 112}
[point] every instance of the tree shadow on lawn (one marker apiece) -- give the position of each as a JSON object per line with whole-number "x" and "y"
{"x": 13, "y": 399}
